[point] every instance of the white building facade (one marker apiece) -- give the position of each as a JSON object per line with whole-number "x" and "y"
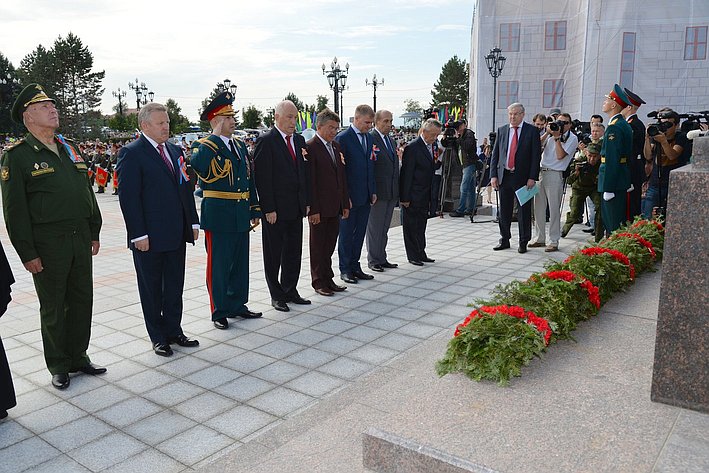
{"x": 567, "y": 54}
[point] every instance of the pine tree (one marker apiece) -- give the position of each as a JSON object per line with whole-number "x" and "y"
{"x": 453, "y": 84}
{"x": 178, "y": 122}
{"x": 9, "y": 89}
{"x": 252, "y": 117}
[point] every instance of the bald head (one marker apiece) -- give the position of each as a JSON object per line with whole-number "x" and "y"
{"x": 285, "y": 116}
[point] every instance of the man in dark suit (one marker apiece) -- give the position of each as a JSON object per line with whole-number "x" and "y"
{"x": 386, "y": 179}
{"x": 282, "y": 183}
{"x": 515, "y": 163}
{"x": 356, "y": 144}
{"x": 417, "y": 167}
{"x": 637, "y": 160}
{"x": 7, "y": 389}
{"x": 329, "y": 200}
{"x": 160, "y": 215}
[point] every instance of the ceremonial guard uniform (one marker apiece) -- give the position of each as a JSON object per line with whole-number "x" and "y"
{"x": 51, "y": 213}
{"x": 228, "y": 207}
{"x": 614, "y": 173}
{"x": 636, "y": 163}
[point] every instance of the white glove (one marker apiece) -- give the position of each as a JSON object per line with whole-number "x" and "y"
{"x": 631, "y": 188}
{"x": 608, "y": 196}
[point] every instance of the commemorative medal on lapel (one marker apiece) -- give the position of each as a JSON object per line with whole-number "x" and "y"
{"x": 44, "y": 165}
{"x": 305, "y": 154}
{"x": 36, "y": 166}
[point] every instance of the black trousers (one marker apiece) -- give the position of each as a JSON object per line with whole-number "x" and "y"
{"x": 414, "y": 220}
{"x": 524, "y": 214}
{"x": 282, "y": 250}
{"x": 161, "y": 278}
{"x": 7, "y": 390}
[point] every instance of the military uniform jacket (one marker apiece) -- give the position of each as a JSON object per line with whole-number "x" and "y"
{"x": 614, "y": 173}
{"x": 230, "y": 201}
{"x": 39, "y": 187}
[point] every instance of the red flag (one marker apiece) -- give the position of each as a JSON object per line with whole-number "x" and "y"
{"x": 101, "y": 177}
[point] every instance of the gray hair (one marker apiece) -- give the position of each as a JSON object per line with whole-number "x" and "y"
{"x": 431, "y": 123}
{"x": 380, "y": 114}
{"x": 148, "y": 109}
{"x": 281, "y": 107}
{"x": 518, "y": 105}
{"x": 326, "y": 115}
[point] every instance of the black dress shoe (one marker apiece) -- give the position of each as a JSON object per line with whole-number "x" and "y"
{"x": 90, "y": 369}
{"x": 299, "y": 300}
{"x": 522, "y": 248}
{"x": 3, "y": 413}
{"x": 183, "y": 341}
{"x": 349, "y": 278}
{"x": 324, "y": 291}
{"x": 428, "y": 260}
{"x": 162, "y": 349}
{"x": 415, "y": 262}
{"x": 249, "y": 314}
{"x": 280, "y": 305}
{"x": 564, "y": 232}
{"x": 61, "y": 380}
{"x": 360, "y": 275}
{"x": 456, "y": 214}
{"x": 501, "y": 246}
{"x": 588, "y": 230}
{"x": 221, "y": 324}
{"x": 389, "y": 265}
{"x": 335, "y": 288}
{"x": 376, "y": 267}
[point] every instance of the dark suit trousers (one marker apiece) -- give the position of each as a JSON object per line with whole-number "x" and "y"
{"x": 323, "y": 238}
{"x": 414, "y": 221}
{"x": 378, "y": 229}
{"x": 524, "y": 214}
{"x": 161, "y": 277}
{"x": 352, "y": 232}
{"x": 282, "y": 250}
{"x": 7, "y": 390}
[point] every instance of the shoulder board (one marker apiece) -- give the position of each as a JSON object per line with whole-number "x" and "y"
{"x": 15, "y": 144}
{"x": 239, "y": 139}
{"x": 613, "y": 122}
{"x": 206, "y": 141}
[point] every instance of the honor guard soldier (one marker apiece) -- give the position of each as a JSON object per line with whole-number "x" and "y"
{"x": 637, "y": 160}
{"x": 614, "y": 173}
{"x": 53, "y": 222}
{"x": 229, "y": 211}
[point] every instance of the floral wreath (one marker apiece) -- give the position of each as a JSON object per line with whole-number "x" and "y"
{"x": 617, "y": 255}
{"x": 529, "y": 317}
{"x": 640, "y": 240}
{"x": 569, "y": 276}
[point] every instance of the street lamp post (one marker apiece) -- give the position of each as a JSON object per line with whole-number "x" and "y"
{"x": 342, "y": 106}
{"x": 374, "y": 83}
{"x": 337, "y": 79}
{"x": 227, "y": 85}
{"x": 495, "y": 63}
{"x": 140, "y": 90}
{"x": 120, "y": 95}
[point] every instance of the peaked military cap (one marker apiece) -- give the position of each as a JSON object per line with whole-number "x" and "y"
{"x": 220, "y": 106}
{"x": 619, "y": 96}
{"x": 33, "y": 93}
{"x": 634, "y": 98}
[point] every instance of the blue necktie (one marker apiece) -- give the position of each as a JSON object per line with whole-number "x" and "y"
{"x": 363, "y": 140}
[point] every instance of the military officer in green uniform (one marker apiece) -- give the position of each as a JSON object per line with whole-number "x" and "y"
{"x": 584, "y": 183}
{"x": 53, "y": 222}
{"x": 229, "y": 211}
{"x": 614, "y": 173}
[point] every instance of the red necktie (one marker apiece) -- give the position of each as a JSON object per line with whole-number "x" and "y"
{"x": 290, "y": 148}
{"x": 513, "y": 150}
{"x": 161, "y": 149}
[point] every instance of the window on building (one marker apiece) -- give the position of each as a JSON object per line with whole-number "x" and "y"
{"x": 507, "y": 93}
{"x": 627, "y": 60}
{"x": 553, "y": 93}
{"x": 695, "y": 43}
{"x": 509, "y": 36}
{"x": 554, "y": 35}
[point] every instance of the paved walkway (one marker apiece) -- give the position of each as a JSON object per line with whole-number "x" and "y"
{"x": 154, "y": 414}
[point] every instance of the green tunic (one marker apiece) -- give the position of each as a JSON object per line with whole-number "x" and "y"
{"x": 51, "y": 213}
{"x": 614, "y": 173}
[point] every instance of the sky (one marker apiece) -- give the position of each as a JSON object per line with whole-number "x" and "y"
{"x": 182, "y": 49}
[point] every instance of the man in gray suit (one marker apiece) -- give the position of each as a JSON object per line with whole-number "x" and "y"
{"x": 386, "y": 177}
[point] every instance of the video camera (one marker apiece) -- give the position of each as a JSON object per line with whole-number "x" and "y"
{"x": 450, "y": 133}
{"x": 582, "y": 130}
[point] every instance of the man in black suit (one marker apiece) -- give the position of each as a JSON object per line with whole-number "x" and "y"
{"x": 329, "y": 200}
{"x": 386, "y": 179}
{"x": 417, "y": 167}
{"x": 281, "y": 175}
{"x": 515, "y": 163}
{"x": 637, "y": 160}
{"x": 160, "y": 215}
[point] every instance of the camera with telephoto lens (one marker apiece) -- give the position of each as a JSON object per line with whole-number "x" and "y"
{"x": 659, "y": 126}
{"x": 450, "y": 134}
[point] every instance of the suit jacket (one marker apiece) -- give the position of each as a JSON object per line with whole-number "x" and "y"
{"x": 155, "y": 201}
{"x": 328, "y": 182}
{"x": 386, "y": 168}
{"x": 282, "y": 185}
{"x": 417, "y": 170}
{"x": 527, "y": 158}
{"x": 359, "y": 166}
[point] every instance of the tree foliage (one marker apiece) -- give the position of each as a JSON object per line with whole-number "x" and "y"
{"x": 9, "y": 90}
{"x": 411, "y": 105}
{"x": 252, "y": 117}
{"x": 269, "y": 118}
{"x": 321, "y": 103}
{"x": 178, "y": 122}
{"x": 453, "y": 84}
{"x": 296, "y": 101}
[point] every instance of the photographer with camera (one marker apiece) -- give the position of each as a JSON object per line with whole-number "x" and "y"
{"x": 666, "y": 148}
{"x": 584, "y": 183}
{"x": 467, "y": 147}
{"x": 559, "y": 145}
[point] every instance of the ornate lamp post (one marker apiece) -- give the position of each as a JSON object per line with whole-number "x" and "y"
{"x": 120, "y": 95}
{"x": 140, "y": 90}
{"x": 495, "y": 63}
{"x": 337, "y": 79}
{"x": 227, "y": 85}
{"x": 374, "y": 83}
